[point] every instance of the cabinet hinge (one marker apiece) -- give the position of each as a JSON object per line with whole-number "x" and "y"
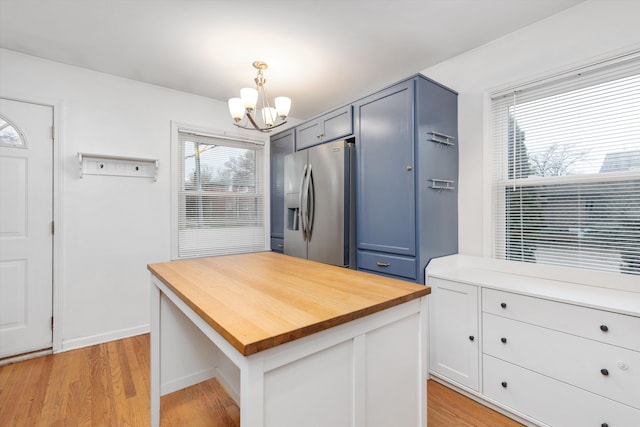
{"x": 51, "y": 322}
{"x": 53, "y": 227}
{"x": 53, "y": 133}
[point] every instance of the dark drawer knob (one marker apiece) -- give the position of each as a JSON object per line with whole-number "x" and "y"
{"x": 471, "y": 338}
{"x": 604, "y": 425}
{"x": 604, "y": 372}
{"x": 604, "y": 328}
{"x": 504, "y": 340}
{"x": 503, "y": 304}
{"x": 503, "y": 384}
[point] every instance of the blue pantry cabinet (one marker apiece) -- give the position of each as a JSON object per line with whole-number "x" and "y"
{"x": 407, "y": 172}
{"x": 282, "y": 143}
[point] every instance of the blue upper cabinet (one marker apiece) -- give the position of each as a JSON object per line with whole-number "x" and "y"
{"x": 328, "y": 127}
{"x": 281, "y": 144}
{"x": 407, "y": 171}
{"x": 385, "y": 195}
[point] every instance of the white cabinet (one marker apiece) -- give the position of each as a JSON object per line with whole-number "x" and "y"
{"x": 548, "y": 352}
{"x": 453, "y": 328}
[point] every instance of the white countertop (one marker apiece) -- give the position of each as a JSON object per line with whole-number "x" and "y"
{"x": 592, "y": 289}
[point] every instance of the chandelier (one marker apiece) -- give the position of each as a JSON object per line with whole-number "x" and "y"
{"x": 246, "y": 105}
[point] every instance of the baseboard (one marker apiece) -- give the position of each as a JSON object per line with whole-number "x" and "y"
{"x": 228, "y": 386}
{"x": 187, "y": 381}
{"x": 76, "y": 343}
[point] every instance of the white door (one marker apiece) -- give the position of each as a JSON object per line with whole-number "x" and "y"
{"x": 26, "y": 235}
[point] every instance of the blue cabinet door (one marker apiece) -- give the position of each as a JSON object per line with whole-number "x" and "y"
{"x": 281, "y": 145}
{"x": 308, "y": 134}
{"x": 385, "y": 194}
{"x": 328, "y": 127}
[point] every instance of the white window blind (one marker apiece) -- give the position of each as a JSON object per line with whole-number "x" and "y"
{"x": 567, "y": 169}
{"x": 220, "y": 196}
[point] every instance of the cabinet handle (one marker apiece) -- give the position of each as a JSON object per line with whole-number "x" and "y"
{"x": 604, "y": 372}
{"x": 280, "y": 245}
{"x": 409, "y": 168}
{"x": 503, "y": 384}
{"x": 382, "y": 264}
{"x": 604, "y": 328}
{"x": 504, "y": 340}
{"x": 503, "y": 304}
{"x": 471, "y": 338}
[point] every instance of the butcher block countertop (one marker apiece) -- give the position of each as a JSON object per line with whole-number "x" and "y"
{"x": 261, "y": 300}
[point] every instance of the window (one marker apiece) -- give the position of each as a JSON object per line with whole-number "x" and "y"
{"x": 10, "y": 135}
{"x": 566, "y": 183}
{"x": 220, "y": 196}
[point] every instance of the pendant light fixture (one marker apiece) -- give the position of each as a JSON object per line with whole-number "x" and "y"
{"x": 247, "y": 105}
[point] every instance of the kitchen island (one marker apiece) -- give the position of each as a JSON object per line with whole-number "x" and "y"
{"x": 294, "y": 342}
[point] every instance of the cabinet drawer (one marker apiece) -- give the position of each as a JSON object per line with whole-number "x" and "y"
{"x": 387, "y": 264}
{"x": 613, "y": 328}
{"x": 604, "y": 369}
{"x": 549, "y": 401}
{"x": 277, "y": 245}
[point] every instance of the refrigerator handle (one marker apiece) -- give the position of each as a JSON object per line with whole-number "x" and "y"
{"x": 312, "y": 200}
{"x": 302, "y": 203}
{"x": 305, "y": 202}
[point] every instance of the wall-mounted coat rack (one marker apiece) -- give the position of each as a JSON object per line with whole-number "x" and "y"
{"x": 100, "y": 164}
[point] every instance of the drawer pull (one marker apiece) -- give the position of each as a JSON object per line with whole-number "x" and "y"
{"x": 604, "y": 425}
{"x": 382, "y": 264}
{"x": 503, "y": 304}
{"x": 280, "y": 245}
{"x": 503, "y": 384}
{"x": 504, "y": 340}
{"x": 604, "y": 372}
{"x": 604, "y": 328}
{"x": 471, "y": 338}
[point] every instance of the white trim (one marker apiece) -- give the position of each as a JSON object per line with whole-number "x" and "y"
{"x": 488, "y": 223}
{"x": 87, "y": 341}
{"x": 564, "y": 69}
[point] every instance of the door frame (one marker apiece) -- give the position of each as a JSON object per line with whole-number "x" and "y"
{"x": 57, "y": 187}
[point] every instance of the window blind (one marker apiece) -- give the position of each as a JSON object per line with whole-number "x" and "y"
{"x": 220, "y": 196}
{"x": 566, "y": 184}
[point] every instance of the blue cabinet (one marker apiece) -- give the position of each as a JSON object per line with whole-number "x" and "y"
{"x": 328, "y": 127}
{"x": 281, "y": 144}
{"x": 407, "y": 171}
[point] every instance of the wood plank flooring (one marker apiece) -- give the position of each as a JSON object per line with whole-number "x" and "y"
{"x": 108, "y": 385}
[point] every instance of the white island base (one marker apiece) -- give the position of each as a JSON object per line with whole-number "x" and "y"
{"x": 371, "y": 371}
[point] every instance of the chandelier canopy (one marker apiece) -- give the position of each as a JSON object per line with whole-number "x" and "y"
{"x": 246, "y": 105}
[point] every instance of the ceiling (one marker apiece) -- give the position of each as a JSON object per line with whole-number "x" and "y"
{"x": 320, "y": 53}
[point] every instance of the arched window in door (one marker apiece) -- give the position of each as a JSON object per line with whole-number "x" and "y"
{"x": 10, "y": 135}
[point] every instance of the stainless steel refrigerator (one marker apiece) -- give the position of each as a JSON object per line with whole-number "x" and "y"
{"x": 319, "y": 214}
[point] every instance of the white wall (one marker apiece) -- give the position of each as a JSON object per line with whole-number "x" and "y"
{"x": 592, "y": 30}
{"x": 109, "y": 228}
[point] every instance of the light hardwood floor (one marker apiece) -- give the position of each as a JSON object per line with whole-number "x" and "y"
{"x": 108, "y": 385}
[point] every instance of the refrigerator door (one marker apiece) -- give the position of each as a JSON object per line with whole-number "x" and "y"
{"x": 295, "y": 169}
{"x": 328, "y": 211}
